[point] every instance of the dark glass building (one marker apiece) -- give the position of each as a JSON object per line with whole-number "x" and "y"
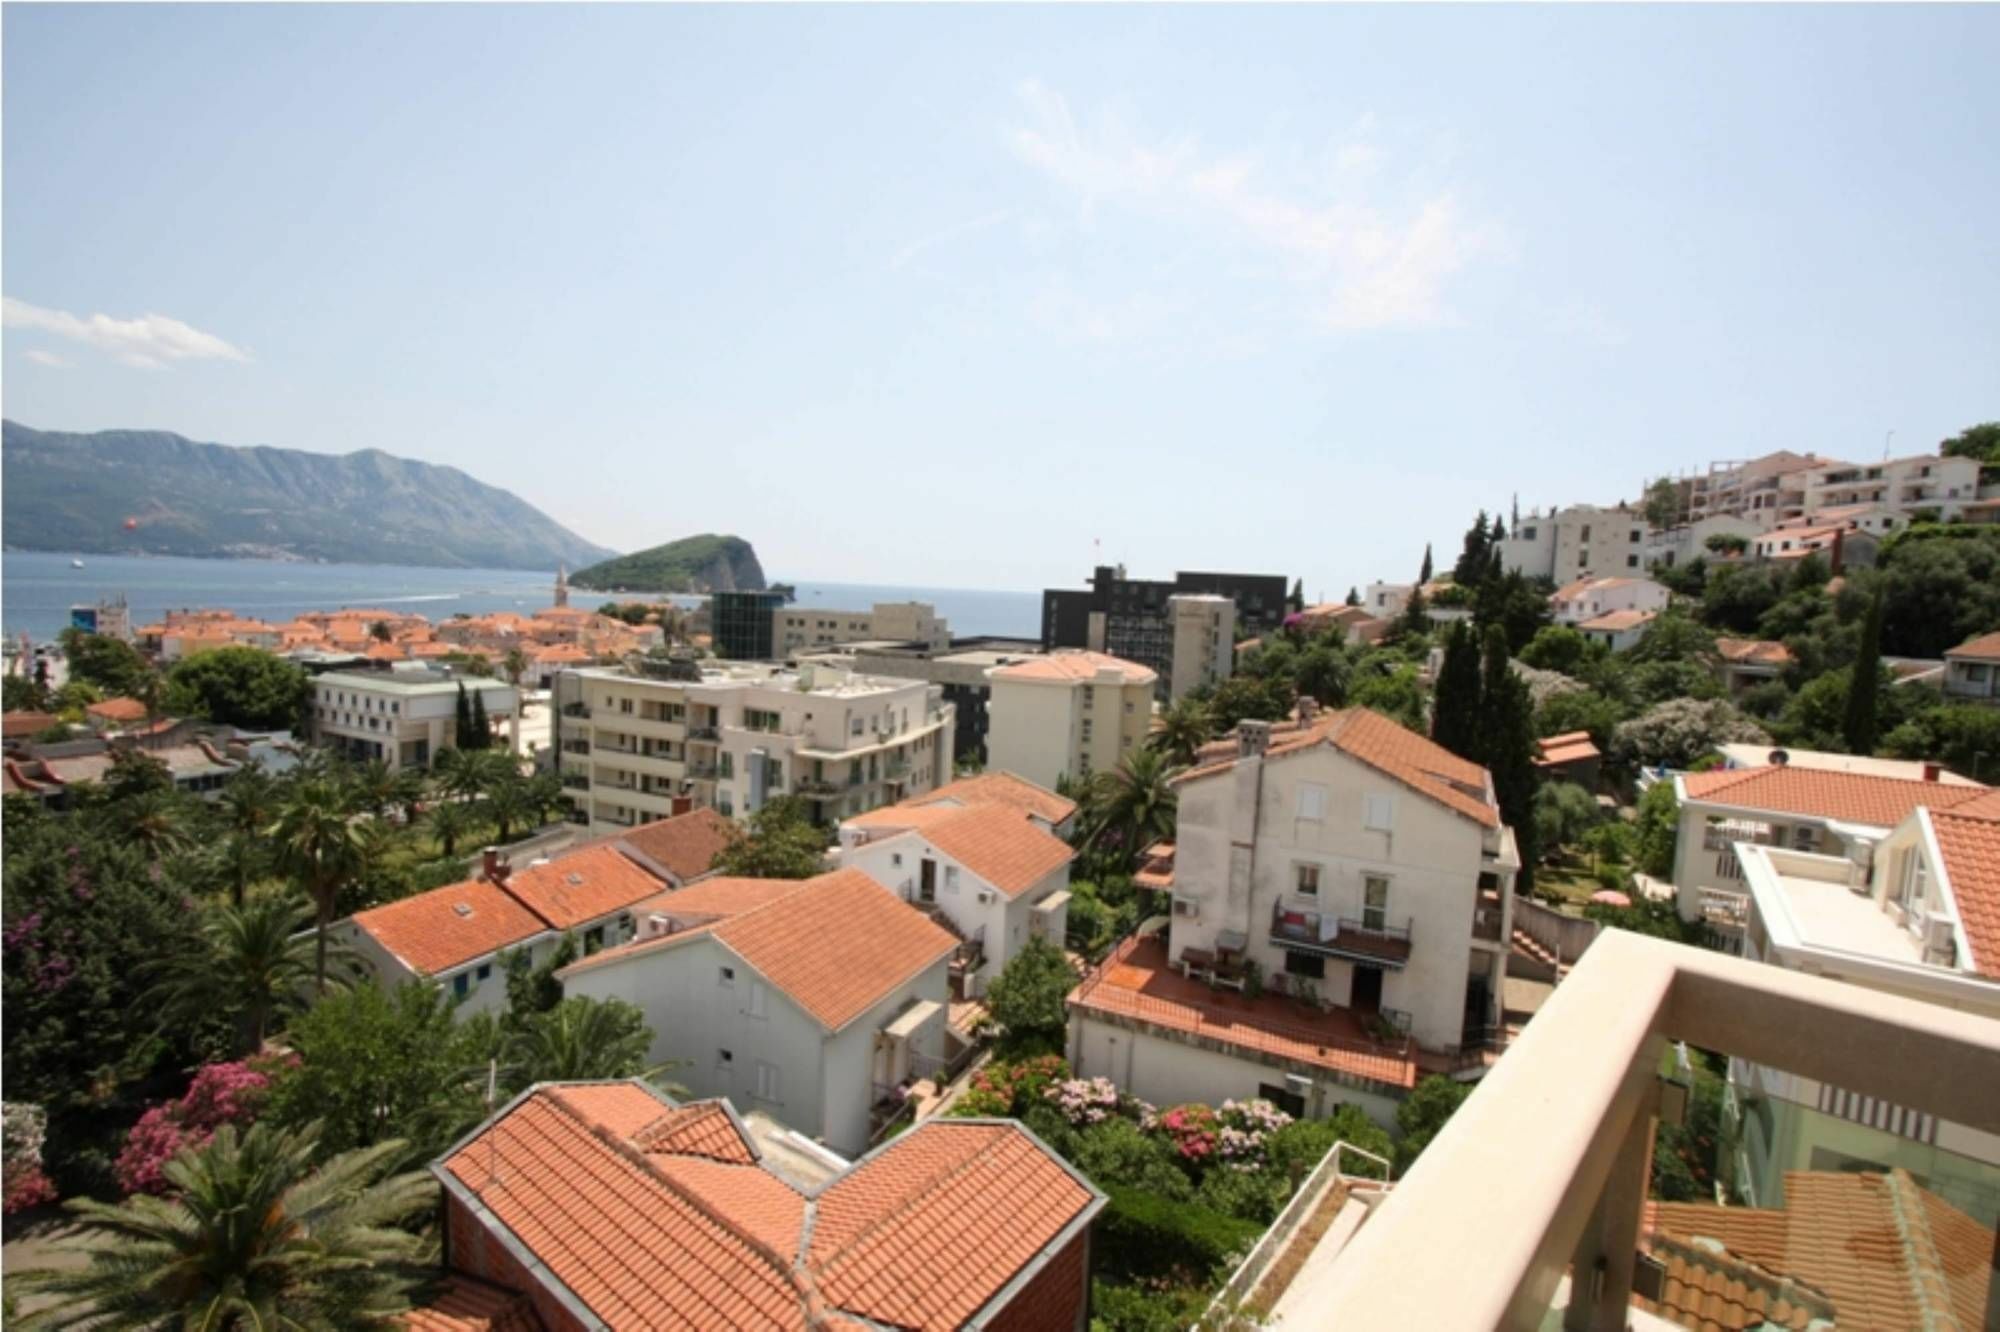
{"x": 1136, "y": 624}
{"x": 740, "y": 624}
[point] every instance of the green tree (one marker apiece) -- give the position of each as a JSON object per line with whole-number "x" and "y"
{"x": 239, "y": 686}
{"x": 1677, "y": 733}
{"x": 253, "y": 970}
{"x": 1455, "y": 707}
{"x": 372, "y": 787}
{"x": 515, "y": 664}
{"x": 1297, "y": 600}
{"x": 253, "y": 1237}
{"x": 462, "y": 721}
{"x": 482, "y": 726}
{"x": 1424, "y": 574}
{"x": 1129, "y": 808}
{"x": 1677, "y": 637}
{"x": 1734, "y": 597}
{"x": 1964, "y": 736}
{"x": 1581, "y": 710}
{"x": 1184, "y": 727}
{"x": 510, "y": 805}
{"x": 1564, "y": 812}
{"x": 1516, "y": 604}
{"x": 1242, "y": 697}
{"x": 110, "y": 664}
{"x": 1862, "y": 694}
{"x": 248, "y": 803}
{"x": 578, "y": 1040}
{"x": 316, "y": 840}
{"x": 451, "y": 820}
{"x": 376, "y": 1064}
{"x": 1981, "y": 442}
{"x": 1323, "y": 673}
{"x": 1353, "y": 596}
{"x": 23, "y": 693}
{"x": 782, "y": 843}
{"x": 1558, "y": 647}
{"x": 1506, "y": 743}
{"x": 1663, "y": 503}
{"x": 1658, "y": 824}
{"x": 533, "y": 989}
{"x": 1385, "y": 685}
{"x": 1475, "y": 556}
{"x": 1423, "y": 1115}
{"x": 1027, "y": 999}
{"x": 1415, "y": 621}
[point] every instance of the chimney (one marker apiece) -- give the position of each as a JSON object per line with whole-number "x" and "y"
{"x": 1932, "y": 771}
{"x": 1308, "y": 709}
{"x": 1253, "y": 738}
{"x": 680, "y": 804}
{"x": 491, "y": 868}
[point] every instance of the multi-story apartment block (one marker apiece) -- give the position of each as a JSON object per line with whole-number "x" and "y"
{"x": 1972, "y": 671}
{"x": 1204, "y": 650}
{"x": 609, "y": 1205}
{"x": 731, "y": 737}
{"x": 1354, "y": 881}
{"x": 1783, "y": 487}
{"x": 1131, "y": 617}
{"x": 796, "y": 629}
{"x": 405, "y": 718}
{"x": 979, "y": 856}
{"x": 1915, "y": 912}
{"x": 1580, "y": 541}
{"x": 811, "y": 1000}
{"x": 1069, "y": 714}
{"x": 959, "y": 669}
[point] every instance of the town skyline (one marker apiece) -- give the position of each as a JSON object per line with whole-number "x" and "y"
{"x": 1077, "y": 261}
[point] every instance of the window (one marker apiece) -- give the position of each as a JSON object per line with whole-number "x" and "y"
{"x": 1309, "y": 965}
{"x": 1086, "y": 728}
{"x": 1631, "y": 561}
{"x": 485, "y": 970}
{"x": 461, "y": 984}
{"x": 1915, "y": 875}
{"x": 1635, "y": 536}
{"x": 897, "y": 860}
{"x": 1306, "y": 880}
{"x": 1526, "y": 534}
{"x": 1290, "y": 1102}
{"x": 951, "y": 878}
{"x": 1374, "y": 902}
{"x": 1312, "y": 801}
{"x": 723, "y": 1059}
{"x": 767, "y": 1081}
{"x": 759, "y": 1002}
{"x": 727, "y": 975}
{"x": 1586, "y": 533}
{"x": 1378, "y": 813}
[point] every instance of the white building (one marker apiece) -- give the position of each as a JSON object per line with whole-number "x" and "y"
{"x": 1354, "y": 873}
{"x": 1070, "y": 714}
{"x": 1618, "y": 630}
{"x": 743, "y": 733}
{"x": 1915, "y": 913}
{"x": 458, "y": 935}
{"x": 1785, "y": 487}
{"x": 1579, "y": 541}
{"x": 1204, "y": 635}
{"x": 992, "y": 872}
{"x": 1972, "y": 670}
{"x": 796, "y": 629}
{"x": 815, "y": 1001}
{"x": 405, "y": 718}
{"x": 1588, "y": 598}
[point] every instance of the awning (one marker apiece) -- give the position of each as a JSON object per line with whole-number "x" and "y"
{"x": 913, "y": 1020}
{"x": 1053, "y": 903}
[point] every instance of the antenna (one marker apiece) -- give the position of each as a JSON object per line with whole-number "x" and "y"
{"x": 1885, "y": 445}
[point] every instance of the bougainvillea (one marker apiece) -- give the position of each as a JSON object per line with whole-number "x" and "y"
{"x": 220, "y": 1094}
{"x": 25, "y": 1127}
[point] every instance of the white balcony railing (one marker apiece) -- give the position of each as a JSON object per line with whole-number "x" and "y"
{"x": 1544, "y": 1169}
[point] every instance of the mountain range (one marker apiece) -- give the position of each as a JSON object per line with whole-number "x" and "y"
{"x": 150, "y": 492}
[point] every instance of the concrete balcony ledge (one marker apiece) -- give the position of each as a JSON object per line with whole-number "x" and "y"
{"x": 1544, "y": 1169}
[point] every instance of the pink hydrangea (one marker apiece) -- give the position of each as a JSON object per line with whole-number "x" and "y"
{"x": 1083, "y": 1101}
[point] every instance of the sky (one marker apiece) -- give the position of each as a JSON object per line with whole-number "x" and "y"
{"x": 980, "y": 297}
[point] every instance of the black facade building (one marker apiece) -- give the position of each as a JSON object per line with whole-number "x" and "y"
{"x": 1136, "y": 624}
{"x": 740, "y": 624}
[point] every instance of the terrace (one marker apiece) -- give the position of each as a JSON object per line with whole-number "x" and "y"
{"x": 1373, "y": 941}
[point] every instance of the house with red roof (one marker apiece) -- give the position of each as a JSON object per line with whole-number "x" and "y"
{"x": 1972, "y": 669}
{"x": 1338, "y": 896}
{"x": 820, "y": 1002}
{"x": 1067, "y": 714}
{"x": 979, "y": 860}
{"x": 608, "y": 1205}
{"x": 1588, "y": 599}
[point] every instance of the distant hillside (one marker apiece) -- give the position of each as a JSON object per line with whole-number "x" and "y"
{"x": 705, "y": 563}
{"x": 147, "y": 492}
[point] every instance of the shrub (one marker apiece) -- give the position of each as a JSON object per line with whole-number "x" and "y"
{"x": 1115, "y": 1308}
{"x": 1141, "y": 1235}
{"x": 25, "y": 1129}
{"x": 1083, "y": 1101}
{"x": 1007, "y": 1087}
{"x": 1248, "y": 1195}
{"x": 220, "y": 1094}
{"x": 1243, "y": 1131}
{"x": 1193, "y": 1132}
{"x": 1297, "y": 1149}
{"x": 1424, "y": 1114}
{"x": 1119, "y": 1153}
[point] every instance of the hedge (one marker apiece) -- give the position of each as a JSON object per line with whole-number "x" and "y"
{"x": 1143, "y": 1235}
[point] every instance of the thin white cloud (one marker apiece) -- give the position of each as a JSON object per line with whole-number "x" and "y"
{"x": 953, "y": 232}
{"x": 148, "y": 340}
{"x": 49, "y": 359}
{"x": 1367, "y": 259}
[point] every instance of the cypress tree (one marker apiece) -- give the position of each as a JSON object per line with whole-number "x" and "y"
{"x": 462, "y": 720}
{"x": 1507, "y": 747}
{"x": 1425, "y": 575}
{"x": 1473, "y": 559}
{"x": 1298, "y": 597}
{"x": 1416, "y": 614}
{"x": 482, "y": 729}
{"x": 1354, "y": 596}
{"x": 1865, "y": 681}
{"x": 1455, "y": 704}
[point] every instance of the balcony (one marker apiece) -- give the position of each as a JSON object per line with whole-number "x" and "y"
{"x": 1375, "y": 942}
{"x": 1487, "y": 915}
{"x": 576, "y": 746}
{"x": 705, "y": 734}
{"x": 576, "y": 709}
{"x": 818, "y": 788}
{"x": 575, "y": 781}
{"x": 702, "y": 772}
{"x": 1526, "y": 1210}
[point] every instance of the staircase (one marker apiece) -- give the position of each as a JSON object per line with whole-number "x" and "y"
{"x": 1297, "y": 1304}
{"x": 1541, "y": 963}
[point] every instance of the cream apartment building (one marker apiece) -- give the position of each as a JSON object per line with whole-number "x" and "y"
{"x": 1788, "y": 488}
{"x": 404, "y": 718}
{"x": 1072, "y": 713}
{"x": 1204, "y": 634}
{"x": 636, "y": 747}
{"x": 796, "y": 629}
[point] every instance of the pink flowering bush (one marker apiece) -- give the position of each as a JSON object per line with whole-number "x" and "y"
{"x": 1004, "y": 1089}
{"x": 1192, "y": 1129}
{"x": 22, "y": 1130}
{"x": 1083, "y": 1101}
{"x": 220, "y": 1094}
{"x": 1244, "y": 1132}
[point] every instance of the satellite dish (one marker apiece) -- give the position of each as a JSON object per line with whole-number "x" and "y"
{"x": 1779, "y": 758}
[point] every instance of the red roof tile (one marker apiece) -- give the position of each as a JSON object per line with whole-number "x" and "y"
{"x": 1001, "y": 788}
{"x": 450, "y": 926}
{"x": 697, "y": 909}
{"x": 703, "y": 1128}
{"x": 22, "y": 725}
{"x": 461, "y": 1304}
{"x": 1971, "y": 851}
{"x": 118, "y": 710}
{"x": 684, "y": 845}
{"x": 581, "y": 885}
{"x": 1001, "y": 845}
{"x": 1986, "y": 647}
{"x": 1074, "y": 666}
{"x": 1880, "y": 802}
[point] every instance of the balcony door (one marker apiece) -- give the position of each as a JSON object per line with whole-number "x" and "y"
{"x": 927, "y": 882}
{"x": 1366, "y": 996}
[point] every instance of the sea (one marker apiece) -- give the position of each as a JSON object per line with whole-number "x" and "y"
{"x": 37, "y": 589}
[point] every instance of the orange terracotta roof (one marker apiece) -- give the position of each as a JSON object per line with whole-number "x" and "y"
{"x": 1074, "y": 666}
{"x": 450, "y": 926}
{"x": 1574, "y": 747}
{"x": 684, "y": 845}
{"x": 894, "y": 1240}
{"x": 1850, "y": 797}
{"x": 1986, "y": 647}
{"x": 1753, "y": 651}
{"x": 702, "y": 1128}
{"x": 899, "y": 818}
{"x": 20, "y": 725}
{"x": 698, "y": 908}
{"x": 839, "y": 946}
{"x": 462, "y": 1304}
{"x": 581, "y": 885}
{"x": 1387, "y": 746}
{"x": 1884, "y": 1251}
{"x": 1002, "y": 788}
{"x": 1618, "y": 621}
{"x": 1001, "y": 845}
{"x": 118, "y": 710}
{"x": 1971, "y": 851}
{"x": 925, "y": 1233}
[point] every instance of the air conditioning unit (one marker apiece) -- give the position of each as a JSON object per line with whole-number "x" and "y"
{"x": 1187, "y": 908}
{"x": 985, "y": 896}
{"x": 1297, "y": 1085}
{"x": 1938, "y": 940}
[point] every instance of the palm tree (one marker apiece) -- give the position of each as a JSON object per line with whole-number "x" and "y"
{"x": 451, "y": 820}
{"x": 515, "y": 664}
{"x": 582, "y": 1040}
{"x": 1134, "y": 803}
{"x": 253, "y": 1237}
{"x": 317, "y": 841}
{"x": 257, "y": 970}
{"x": 509, "y": 803}
{"x": 248, "y": 802}
{"x": 408, "y": 791}
{"x": 1184, "y": 728}
{"x": 374, "y": 788}
{"x": 156, "y": 821}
